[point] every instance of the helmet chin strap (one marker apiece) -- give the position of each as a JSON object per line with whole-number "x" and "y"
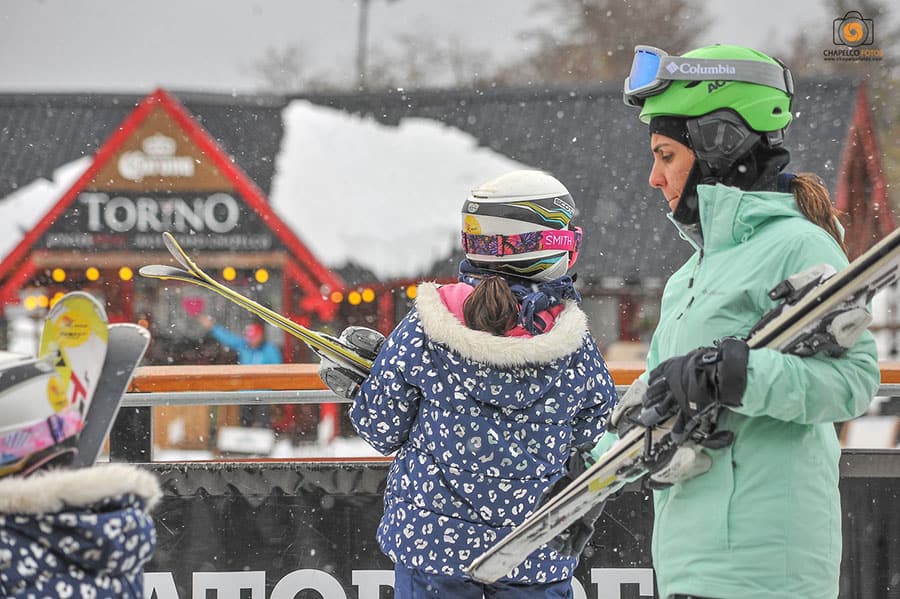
{"x": 687, "y": 212}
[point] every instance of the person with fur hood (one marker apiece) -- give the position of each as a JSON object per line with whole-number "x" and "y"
{"x": 485, "y": 390}
{"x": 68, "y": 532}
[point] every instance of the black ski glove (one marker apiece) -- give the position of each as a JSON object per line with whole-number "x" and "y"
{"x": 693, "y": 384}
{"x": 344, "y": 381}
{"x": 572, "y": 540}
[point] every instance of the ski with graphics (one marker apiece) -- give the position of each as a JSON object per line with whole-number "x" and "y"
{"x": 44, "y": 401}
{"x": 75, "y": 329}
{"x": 819, "y": 311}
{"x": 354, "y": 353}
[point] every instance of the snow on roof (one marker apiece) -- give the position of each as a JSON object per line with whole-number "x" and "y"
{"x": 355, "y": 191}
{"x": 23, "y": 209}
{"x": 385, "y": 198}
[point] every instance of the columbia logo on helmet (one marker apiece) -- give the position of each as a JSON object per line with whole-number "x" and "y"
{"x": 696, "y": 69}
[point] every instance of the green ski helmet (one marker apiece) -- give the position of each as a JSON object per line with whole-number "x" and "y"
{"x": 730, "y": 104}
{"x": 750, "y": 83}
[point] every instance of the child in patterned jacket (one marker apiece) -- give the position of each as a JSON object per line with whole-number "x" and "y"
{"x": 483, "y": 390}
{"x": 64, "y": 532}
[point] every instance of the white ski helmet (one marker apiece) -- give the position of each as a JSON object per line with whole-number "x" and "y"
{"x": 33, "y": 429}
{"x": 520, "y": 224}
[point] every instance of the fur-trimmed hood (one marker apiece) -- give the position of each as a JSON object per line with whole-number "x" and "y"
{"x": 55, "y": 490}
{"x": 443, "y": 327}
{"x": 77, "y": 533}
{"x": 509, "y": 372}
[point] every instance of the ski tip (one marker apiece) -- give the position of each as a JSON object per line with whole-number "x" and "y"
{"x": 162, "y": 271}
{"x": 177, "y": 252}
{"x": 151, "y": 271}
{"x": 79, "y": 300}
{"x": 129, "y": 329}
{"x": 171, "y": 243}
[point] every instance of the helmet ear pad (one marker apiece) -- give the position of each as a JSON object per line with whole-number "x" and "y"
{"x": 729, "y": 152}
{"x": 720, "y": 140}
{"x": 723, "y": 147}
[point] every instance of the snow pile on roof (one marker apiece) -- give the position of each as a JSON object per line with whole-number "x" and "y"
{"x": 384, "y": 198}
{"x": 355, "y": 191}
{"x": 24, "y": 208}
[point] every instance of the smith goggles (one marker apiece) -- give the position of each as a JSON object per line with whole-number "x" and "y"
{"x": 568, "y": 240}
{"x": 652, "y": 70}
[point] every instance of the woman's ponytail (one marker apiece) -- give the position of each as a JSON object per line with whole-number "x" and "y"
{"x": 815, "y": 204}
{"x": 492, "y": 307}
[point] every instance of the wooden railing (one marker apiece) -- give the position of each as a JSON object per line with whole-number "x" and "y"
{"x": 154, "y": 379}
{"x": 167, "y": 386}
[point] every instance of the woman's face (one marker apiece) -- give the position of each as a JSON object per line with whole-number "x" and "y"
{"x": 672, "y": 161}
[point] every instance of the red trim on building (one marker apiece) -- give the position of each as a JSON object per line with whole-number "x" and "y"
{"x": 9, "y": 292}
{"x": 13, "y": 270}
{"x": 248, "y": 189}
{"x": 314, "y": 299}
{"x": 867, "y": 212}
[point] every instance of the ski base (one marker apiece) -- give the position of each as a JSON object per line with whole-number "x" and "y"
{"x": 127, "y": 344}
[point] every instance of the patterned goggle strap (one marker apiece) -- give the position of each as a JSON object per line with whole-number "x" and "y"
{"x": 534, "y": 241}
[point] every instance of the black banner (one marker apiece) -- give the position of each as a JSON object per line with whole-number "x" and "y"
{"x": 99, "y": 220}
{"x": 306, "y": 530}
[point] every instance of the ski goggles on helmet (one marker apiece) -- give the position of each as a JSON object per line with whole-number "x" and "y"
{"x": 652, "y": 70}
{"x": 568, "y": 240}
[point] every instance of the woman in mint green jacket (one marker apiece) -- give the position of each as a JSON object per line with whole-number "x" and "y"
{"x": 764, "y": 520}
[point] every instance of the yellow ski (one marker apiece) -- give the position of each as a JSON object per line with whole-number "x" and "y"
{"x": 321, "y": 344}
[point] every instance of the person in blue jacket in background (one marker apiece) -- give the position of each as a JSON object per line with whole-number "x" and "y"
{"x": 251, "y": 348}
{"x": 487, "y": 390}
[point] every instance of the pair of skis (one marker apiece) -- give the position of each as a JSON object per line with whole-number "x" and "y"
{"x": 320, "y": 343}
{"x": 83, "y": 364}
{"x": 811, "y": 318}
{"x": 94, "y": 361}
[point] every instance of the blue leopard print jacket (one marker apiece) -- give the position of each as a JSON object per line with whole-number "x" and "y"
{"x": 482, "y": 426}
{"x": 86, "y": 533}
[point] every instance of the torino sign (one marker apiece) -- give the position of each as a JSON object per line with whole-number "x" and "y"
{"x": 367, "y": 583}
{"x": 216, "y": 213}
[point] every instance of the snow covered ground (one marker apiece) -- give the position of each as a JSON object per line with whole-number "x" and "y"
{"x": 341, "y": 447}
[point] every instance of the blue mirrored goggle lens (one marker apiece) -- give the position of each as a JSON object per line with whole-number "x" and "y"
{"x": 644, "y": 68}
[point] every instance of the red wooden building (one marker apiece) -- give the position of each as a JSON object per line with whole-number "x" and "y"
{"x": 161, "y": 171}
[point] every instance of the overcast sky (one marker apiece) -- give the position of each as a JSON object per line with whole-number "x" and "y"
{"x": 211, "y": 45}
